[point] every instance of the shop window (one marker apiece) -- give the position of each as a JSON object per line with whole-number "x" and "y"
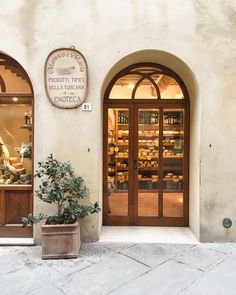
{"x": 15, "y": 125}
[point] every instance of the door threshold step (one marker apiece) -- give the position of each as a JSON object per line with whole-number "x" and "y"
{"x": 16, "y": 241}
{"x": 147, "y": 234}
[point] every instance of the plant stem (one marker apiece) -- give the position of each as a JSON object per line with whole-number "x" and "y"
{"x": 59, "y": 210}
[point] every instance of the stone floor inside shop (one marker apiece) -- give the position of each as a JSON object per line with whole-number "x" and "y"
{"x": 147, "y": 204}
{"x": 121, "y": 268}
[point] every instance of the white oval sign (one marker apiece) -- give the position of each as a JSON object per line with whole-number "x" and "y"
{"x": 66, "y": 78}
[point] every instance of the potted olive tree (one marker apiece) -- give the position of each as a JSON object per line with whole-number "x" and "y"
{"x": 59, "y": 186}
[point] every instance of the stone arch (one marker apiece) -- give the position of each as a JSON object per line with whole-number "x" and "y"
{"x": 23, "y": 72}
{"x": 186, "y": 74}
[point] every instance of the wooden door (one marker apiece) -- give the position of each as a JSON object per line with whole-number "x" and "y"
{"x": 15, "y": 202}
{"x": 146, "y": 164}
{"x": 160, "y": 178}
{"x": 118, "y": 159}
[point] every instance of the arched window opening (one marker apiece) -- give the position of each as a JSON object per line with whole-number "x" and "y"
{"x": 146, "y": 147}
{"x": 16, "y": 147}
{"x": 145, "y": 83}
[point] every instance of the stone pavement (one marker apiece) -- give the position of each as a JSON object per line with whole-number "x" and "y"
{"x": 122, "y": 269}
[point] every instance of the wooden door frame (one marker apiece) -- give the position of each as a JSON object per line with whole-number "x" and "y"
{"x": 160, "y": 104}
{"x": 133, "y": 218}
{"x": 17, "y": 230}
{"x": 116, "y": 219}
{"x": 161, "y": 220}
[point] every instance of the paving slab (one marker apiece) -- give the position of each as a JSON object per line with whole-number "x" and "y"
{"x": 219, "y": 281}
{"x": 122, "y": 268}
{"x": 33, "y": 253}
{"x": 68, "y": 266}
{"x": 94, "y": 252}
{"x": 27, "y": 279}
{"x": 117, "y": 247}
{"x": 11, "y": 261}
{"x": 201, "y": 258}
{"x": 167, "y": 279}
{"x": 48, "y": 290}
{"x": 154, "y": 254}
{"x": 103, "y": 277}
{"x": 227, "y": 248}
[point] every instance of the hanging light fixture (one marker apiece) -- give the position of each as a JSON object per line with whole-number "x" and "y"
{"x": 131, "y": 85}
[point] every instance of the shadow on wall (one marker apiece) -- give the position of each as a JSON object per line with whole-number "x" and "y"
{"x": 183, "y": 70}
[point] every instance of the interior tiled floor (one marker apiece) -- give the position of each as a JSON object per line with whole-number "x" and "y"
{"x": 148, "y": 204}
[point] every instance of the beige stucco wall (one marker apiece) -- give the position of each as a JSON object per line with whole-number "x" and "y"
{"x": 194, "y": 38}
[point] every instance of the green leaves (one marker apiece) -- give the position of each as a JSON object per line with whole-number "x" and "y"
{"x": 60, "y": 186}
{"x": 74, "y": 210}
{"x": 30, "y": 219}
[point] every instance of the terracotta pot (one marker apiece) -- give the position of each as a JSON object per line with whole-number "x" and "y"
{"x": 60, "y": 240}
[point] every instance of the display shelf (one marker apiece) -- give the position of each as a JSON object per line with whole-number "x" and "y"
{"x": 172, "y": 133}
{"x": 173, "y": 157}
{"x": 29, "y": 127}
{"x": 122, "y": 168}
{"x": 150, "y": 159}
{"x": 172, "y": 191}
{"x": 16, "y": 186}
{"x": 165, "y": 168}
{"x": 147, "y": 179}
{"x": 146, "y": 137}
{"x": 148, "y": 140}
{"x": 148, "y": 146}
{"x": 148, "y": 169}
{"x": 177, "y": 126}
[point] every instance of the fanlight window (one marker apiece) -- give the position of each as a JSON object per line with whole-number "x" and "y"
{"x": 146, "y": 83}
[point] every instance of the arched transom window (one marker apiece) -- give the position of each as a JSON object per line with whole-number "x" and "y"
{"x": 146, "y": 82}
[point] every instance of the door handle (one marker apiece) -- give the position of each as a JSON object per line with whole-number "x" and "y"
{"x": 135, "y": 164}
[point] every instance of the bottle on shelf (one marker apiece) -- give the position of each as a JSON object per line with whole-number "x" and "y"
{"x": 126, "y": 119}
{"x": 123, "y": 118}
{"x": 153, "y": 118}
{"x": 168, "y": 119}
{"x": 27, "y": 119}
{"x": 156, "y": 118}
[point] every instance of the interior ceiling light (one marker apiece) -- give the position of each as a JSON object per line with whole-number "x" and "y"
{"x": 131, "y": 85}
{"x": 15, "y": 98}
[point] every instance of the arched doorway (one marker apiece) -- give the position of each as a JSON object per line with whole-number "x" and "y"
{"x": 16, "y": 148}
{"x": 146, "y": 148}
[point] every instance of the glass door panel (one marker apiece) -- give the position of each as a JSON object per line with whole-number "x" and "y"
{"x": 118, "y": 161}
{"x": 173, "y": 153}
{"x": 148, "y": 145}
